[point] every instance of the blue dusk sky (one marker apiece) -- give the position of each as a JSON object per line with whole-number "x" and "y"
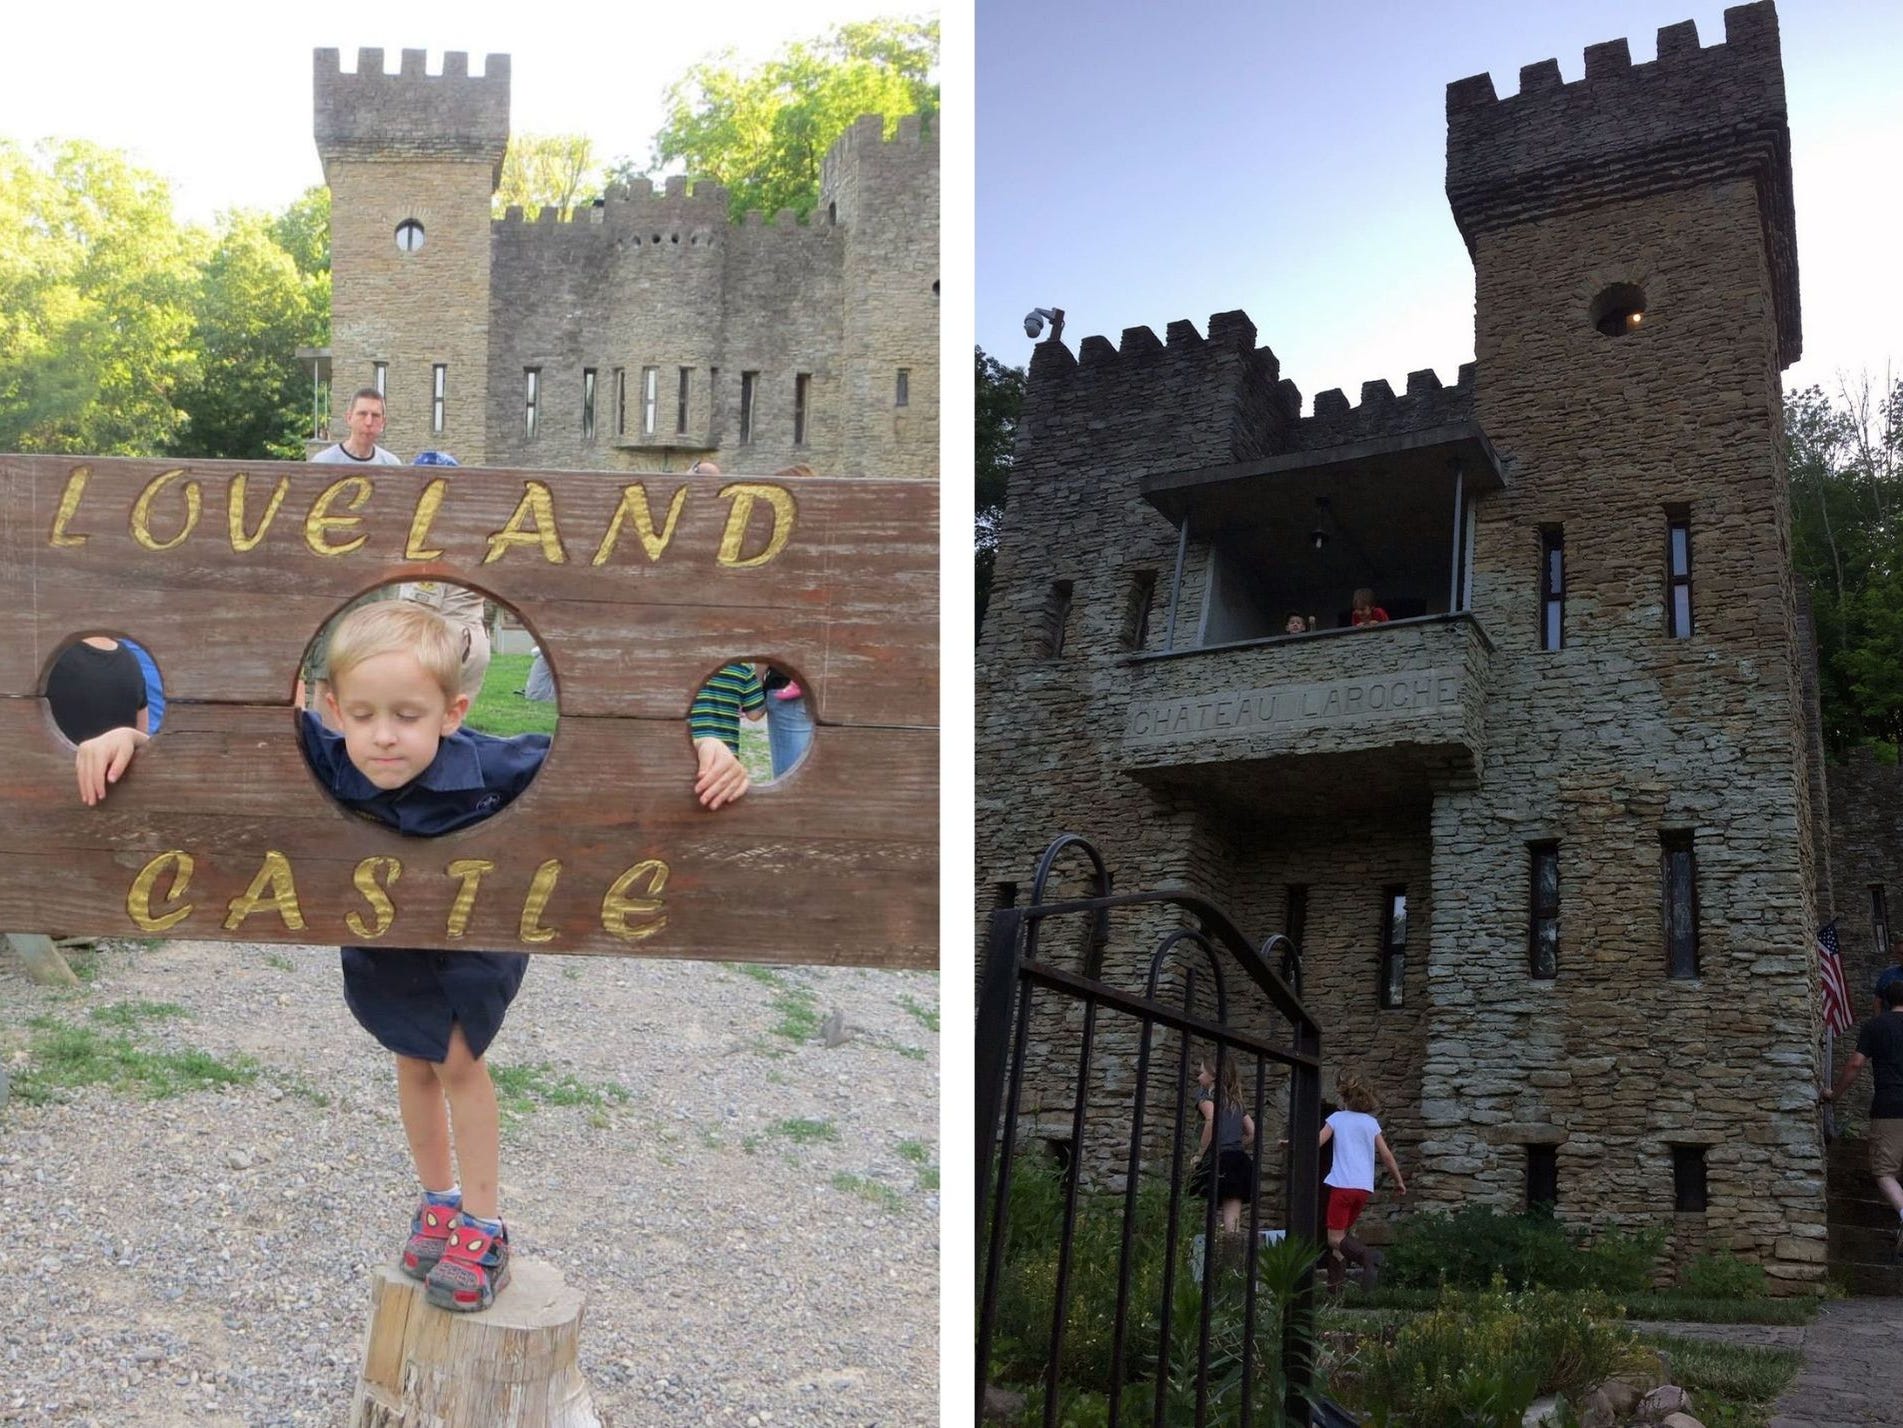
{"x": 1140, "y": 162}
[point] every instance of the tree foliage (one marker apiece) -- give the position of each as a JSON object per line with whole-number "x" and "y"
{"x": 1845, "y": 459}
{"x": 762, "y": 132}
{"x": 548, "y": 171}
{"x": 96, "y": 286}
{"x": 249, "y": 395}
{"x": 1000, "y": 400}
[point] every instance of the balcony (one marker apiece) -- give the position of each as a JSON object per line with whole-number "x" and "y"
{"x": 1265, "y": 697}
{"x": 1337, "y": 719}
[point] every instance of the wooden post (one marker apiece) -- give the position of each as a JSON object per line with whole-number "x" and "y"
{"x": 512, "y": 1366}
{"x": 40, "y": 958}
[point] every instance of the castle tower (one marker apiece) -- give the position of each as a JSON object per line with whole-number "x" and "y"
{"x": 412, "y": 160}
{"x": 883, "y": 193}
{"x": 1636, "y": 299}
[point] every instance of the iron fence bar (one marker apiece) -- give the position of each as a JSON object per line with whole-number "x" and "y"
{"x": 1249, "y": 1253}
{"x": 997, "y": 996}
{"x": 1067, "y": 1238}
{"x": 1168, "y": 1307}
{"x": 1167, "y": 945}
{"x": 1140, "y": 1007}
{"x": 1132, "y": 1174}
{"x": 1304, "y": 1217}
{"x": 1000, "y": 1218}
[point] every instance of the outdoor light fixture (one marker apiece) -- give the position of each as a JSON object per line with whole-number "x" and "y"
{"x": 1035, "y": 319}
{"x": 1324, "y": 518}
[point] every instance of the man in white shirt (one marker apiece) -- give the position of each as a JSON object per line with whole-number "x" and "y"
{"x": 365, "y": 419}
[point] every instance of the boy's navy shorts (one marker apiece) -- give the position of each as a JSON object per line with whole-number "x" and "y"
{"x": 409, "y": 997}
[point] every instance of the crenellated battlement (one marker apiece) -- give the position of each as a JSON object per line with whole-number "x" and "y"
{"x": 1692, "y": 116}
{"x": 1426, "y": 403}
{"x": 374, "y": 116}
{"x": 675, "y": 218}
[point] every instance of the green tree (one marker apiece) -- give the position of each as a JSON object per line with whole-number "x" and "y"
{"x": 1000, "y": 402}
{"x": 96, "y": 287}
{"x": 544, "y": 171}
{"x": 303, "y": 231}
{"x": 253, "y": 308}
{"x": 763, "y": 132}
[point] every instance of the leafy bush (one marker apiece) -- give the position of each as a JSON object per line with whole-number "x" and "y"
{"x": 1469, "y": 1248}
{"x": 1480, "y": 1359}
{"x": 1723, "y": 1276}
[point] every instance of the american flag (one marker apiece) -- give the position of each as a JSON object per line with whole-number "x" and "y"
{"x": 1837, "y": 1015}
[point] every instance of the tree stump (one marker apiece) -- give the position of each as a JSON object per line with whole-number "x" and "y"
{"x": 511, "y": 1366}
{"x": 40, "y": 959}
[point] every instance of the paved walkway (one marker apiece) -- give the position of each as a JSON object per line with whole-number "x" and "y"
{"x": 1849, "y": 1378}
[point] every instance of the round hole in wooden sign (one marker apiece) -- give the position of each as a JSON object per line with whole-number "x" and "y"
{"x": 97, "y": 681}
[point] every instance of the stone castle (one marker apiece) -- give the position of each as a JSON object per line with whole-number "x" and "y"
{"x": 646, "y": 333}
{"x": 1553, "y": 840}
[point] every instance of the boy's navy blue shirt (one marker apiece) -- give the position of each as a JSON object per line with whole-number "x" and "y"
{"x": 472, "y": 777}
{"x": 409, "y": 998}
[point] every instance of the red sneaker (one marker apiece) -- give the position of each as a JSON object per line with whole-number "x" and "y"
{"x": 429, "y": 1232}
{"x": 474, "y": 1269}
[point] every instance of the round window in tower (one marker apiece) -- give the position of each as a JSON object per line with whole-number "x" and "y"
{"x": 1618, "y": 310}
{"x": 409, "y": 235}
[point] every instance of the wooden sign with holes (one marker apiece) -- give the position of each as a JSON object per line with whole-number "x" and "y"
{"x": 636, "y": 587}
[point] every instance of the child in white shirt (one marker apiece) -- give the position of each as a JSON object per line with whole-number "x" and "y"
{"x": 1350, "y": 1180}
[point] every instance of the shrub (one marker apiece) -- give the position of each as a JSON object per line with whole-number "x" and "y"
{"x": 1480, "y": 1359}
{"x": 1468, "y": 1248}
{"x": 1723, "y": 1276}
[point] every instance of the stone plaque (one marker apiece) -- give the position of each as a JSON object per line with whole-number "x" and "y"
{"x": 1242, "y": 713}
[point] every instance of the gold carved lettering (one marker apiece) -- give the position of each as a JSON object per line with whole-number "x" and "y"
{"x": 139, "y": 895}
{"x": 469, "y": 871}
{"x": 634, "y": 504}
{"x": 541, "y": 888}
{"x": 273, "y": 887}
{"x": 744, "y": 494}
{"x": 320, "y": 522}
{"x": 142, "y": 511}
{"x": 617, "y": 907}
{"x": 376, "y": 893}
{"x": 427, "y": 506}
{"x": 539, "y": 502}
{"x": 234, "y": 511}
{"x": 69, "y": 507}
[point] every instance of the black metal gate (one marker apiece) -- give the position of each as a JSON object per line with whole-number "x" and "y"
{"x": 1015, "y": 977}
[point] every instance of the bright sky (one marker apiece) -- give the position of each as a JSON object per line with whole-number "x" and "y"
{"x": 217, "y": 95}
{"x": 1287, "y": 159}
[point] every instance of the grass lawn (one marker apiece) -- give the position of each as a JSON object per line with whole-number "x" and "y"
{"x": 1799, "y": 1309}
{"x": 1731, "y": 1386}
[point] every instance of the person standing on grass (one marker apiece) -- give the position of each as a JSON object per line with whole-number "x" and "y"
{"x": 1880, "y": 1042}
{"x": 1350, "y": 1180}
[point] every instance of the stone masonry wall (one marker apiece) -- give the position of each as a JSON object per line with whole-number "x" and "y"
{"x": 1627, "y": 733}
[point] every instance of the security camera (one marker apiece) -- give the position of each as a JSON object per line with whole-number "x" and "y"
{"x": 1035, "y": 319}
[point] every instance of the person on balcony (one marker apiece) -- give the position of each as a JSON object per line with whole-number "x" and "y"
{"x": 1366, "y": 612}
{"x": 1297, "y": 624}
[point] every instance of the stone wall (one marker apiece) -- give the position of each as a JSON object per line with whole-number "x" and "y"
{"x": 648, "y": 279}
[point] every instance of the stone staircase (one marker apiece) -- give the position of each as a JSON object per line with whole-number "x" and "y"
{"x": 1861, "y": 1249}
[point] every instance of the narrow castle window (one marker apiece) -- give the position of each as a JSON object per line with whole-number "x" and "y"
{"x": 1056, "y": 618}
{"x": 439, "y": 387}
{"x": 903, "y": 396}
{"x": 588, "y": 404}
{"x": 1688, "y": 1178}
{"x": 621, "y": 401}
{"x": 680, "y": 411}
{"x": 1295, "y": 928}
{"x": 749, "y": 383}
{"x": 1136, "y": 618}
{"x": 1679, "y": 874}
{"x": 1542, "y": 938}
{"x": 1678, "y": 566}
{"x": 802, "y": 388}
{"x": 380, "y": 378}
{"x": 1542, "y": 1176}
{"x": 1393, "y": 947}
{"x": 409, "y": 235}
{"x": 1880, "y": 918}
{"x": 532, "y": 382}
{"x": 1552, "y": 588}
{"x": 650, "y": 399}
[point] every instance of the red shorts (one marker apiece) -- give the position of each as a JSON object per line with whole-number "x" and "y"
{"x": 1345, "y": 1207}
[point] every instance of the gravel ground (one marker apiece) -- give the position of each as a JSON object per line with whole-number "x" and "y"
{"x": 753, "y": 1214}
